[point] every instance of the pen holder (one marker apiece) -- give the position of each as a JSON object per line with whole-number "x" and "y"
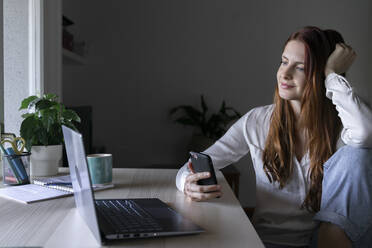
{"x": 16, "y": 169}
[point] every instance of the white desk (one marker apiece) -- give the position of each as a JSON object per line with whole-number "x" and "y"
{"x": 56, "y": 223}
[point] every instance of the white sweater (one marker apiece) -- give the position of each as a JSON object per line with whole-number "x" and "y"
{"x": 278, "y": 217}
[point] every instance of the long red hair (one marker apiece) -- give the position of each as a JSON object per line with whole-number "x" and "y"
{"x": 318, "y": 118}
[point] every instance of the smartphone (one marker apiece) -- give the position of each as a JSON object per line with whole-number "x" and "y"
{"x": 203, "y": 163}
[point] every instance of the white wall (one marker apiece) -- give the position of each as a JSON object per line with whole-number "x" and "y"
{"x": 16, "y": 66}
{"x": 148, "y": 56}
{"x": 1, "y": 66}
{"x": 24, "y": 73}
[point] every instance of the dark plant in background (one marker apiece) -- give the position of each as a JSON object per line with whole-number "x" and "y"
{"x": 42, "y": 125}
{"x": 212, "y": 127}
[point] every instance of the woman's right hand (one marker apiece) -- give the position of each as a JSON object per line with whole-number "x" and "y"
{"x": 196, "y": 192}
{"x": 340, "y": 59}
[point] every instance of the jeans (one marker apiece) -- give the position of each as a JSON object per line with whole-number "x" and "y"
{"x": 346, "y": 196}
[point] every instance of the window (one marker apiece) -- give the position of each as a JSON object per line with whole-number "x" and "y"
{"x": 32, "y": 53}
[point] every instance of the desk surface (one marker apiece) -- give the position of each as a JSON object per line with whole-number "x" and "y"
{"x": 56, "y": 223}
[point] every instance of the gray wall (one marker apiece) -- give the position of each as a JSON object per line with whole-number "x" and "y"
{"x": 52, "y": 53}
{"x": 369, "y": 54}
{"x": 148, "y": 56}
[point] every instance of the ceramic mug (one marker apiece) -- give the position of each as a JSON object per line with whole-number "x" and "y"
{"x": 100, "y": 168}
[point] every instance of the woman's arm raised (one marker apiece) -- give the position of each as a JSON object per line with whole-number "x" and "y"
{"x": 355, "y": 115}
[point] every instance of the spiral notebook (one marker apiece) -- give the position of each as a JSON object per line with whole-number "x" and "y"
{"x": 61, "y": 183}
{"x": 43, "y": 189}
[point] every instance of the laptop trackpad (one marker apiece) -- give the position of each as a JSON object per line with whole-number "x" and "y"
{"x": 162, "y": 213}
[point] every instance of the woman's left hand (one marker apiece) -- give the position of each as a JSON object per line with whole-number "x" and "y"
{"x": 340, "y": 59}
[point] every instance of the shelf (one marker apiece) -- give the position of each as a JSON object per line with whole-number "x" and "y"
{"x": 72, "y": 58}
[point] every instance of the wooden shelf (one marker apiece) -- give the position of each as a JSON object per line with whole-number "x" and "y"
{"x": 72, "y": 58}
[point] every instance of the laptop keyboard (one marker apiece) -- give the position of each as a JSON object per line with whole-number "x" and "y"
{"x": 127, "y": 216}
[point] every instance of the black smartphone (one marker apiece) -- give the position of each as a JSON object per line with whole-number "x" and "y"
{"x": 203, "y": 163}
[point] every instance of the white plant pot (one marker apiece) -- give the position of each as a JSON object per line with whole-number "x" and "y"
{"x": 45, "y": 160}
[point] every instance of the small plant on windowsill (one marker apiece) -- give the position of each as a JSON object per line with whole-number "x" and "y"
{"x": 209, "y": 128}
{"x": 42, "y": 131}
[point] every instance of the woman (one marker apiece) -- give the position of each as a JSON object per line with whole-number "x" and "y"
{"x": 301, "y": 180}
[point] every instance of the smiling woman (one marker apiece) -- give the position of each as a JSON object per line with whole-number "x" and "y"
{"x": 302, "y": 149}
{"x": 296, "y": 116}
{"x": 291, "y": 74}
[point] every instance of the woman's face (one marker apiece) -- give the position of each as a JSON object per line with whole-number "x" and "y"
{"x": 291, "y": 73}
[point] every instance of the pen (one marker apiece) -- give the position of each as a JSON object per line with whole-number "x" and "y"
{"x": 17, "y": 177}
{"x": 58, "y": 184}
{"x": 18, "y": 165}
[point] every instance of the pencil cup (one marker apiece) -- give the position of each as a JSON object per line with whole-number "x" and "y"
{"x": 100, "y": 168}
{"x": 16, "y": 169}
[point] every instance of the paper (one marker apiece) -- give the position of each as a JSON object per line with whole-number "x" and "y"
{"x": 39, "y": 191}
{"x": 31, "y": 193}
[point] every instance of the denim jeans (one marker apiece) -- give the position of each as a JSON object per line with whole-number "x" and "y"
{"x": 346, "y": 196}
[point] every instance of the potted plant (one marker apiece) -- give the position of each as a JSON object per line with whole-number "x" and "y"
{"x": 42, "y": 131}
{"x": 209, "y": 128}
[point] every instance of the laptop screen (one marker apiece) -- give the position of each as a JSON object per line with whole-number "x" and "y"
{"x": 81, "y": 183}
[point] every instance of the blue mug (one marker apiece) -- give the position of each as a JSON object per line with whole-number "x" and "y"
{"x": 100, "y": 168}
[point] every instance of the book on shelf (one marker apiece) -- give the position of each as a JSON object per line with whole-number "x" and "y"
{"x": 44, "y": 189}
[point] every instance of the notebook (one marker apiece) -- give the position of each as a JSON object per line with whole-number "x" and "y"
{"x": 41, "y": 189}
{"x": 64, "y": 183}
{"x": 30, "y": 193}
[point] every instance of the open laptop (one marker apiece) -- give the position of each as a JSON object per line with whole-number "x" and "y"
{"x": 113, "y": 219}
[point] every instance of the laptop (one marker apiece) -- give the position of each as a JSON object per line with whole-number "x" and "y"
{"x": 115, "y": 219}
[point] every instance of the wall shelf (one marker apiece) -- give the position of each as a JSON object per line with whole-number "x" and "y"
{"x": 72, "y": 58}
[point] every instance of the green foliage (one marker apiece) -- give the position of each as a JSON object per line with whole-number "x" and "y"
{"x": 42, "y": 125}
{"x": 213, "y": 126}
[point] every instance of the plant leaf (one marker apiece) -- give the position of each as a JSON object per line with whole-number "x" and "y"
{"x": 55, "y": 136}
{"x": 26, "y": 102}
{"x": 50, "y": 97}
{"x": 213, "y": 123}
{"x": 70, "y": 115}
{"x": 43, "y": 104}
{"x": 43, "y": 137}
{"x": 185, "y": 121}
{"x": 187, "y": 108}
{"x": 215, "y": 126}
{"x": 43, "y": 127}
{"x": 190, "y": 112}
{"x": 71, "y": 125}
{"x": 173, "y": 110}
{"x": 27, "y": 115}
{"x": 49, "y": 117}
{"x": 29, "y": 131}
{"x": 238, "y": 114}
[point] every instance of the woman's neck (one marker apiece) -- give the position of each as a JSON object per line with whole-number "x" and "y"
{"x": 296, "y": 107}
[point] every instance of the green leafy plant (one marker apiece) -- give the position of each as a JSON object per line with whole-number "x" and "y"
{"x": 213, "y": 126}
{"x": 42, "y": 125}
